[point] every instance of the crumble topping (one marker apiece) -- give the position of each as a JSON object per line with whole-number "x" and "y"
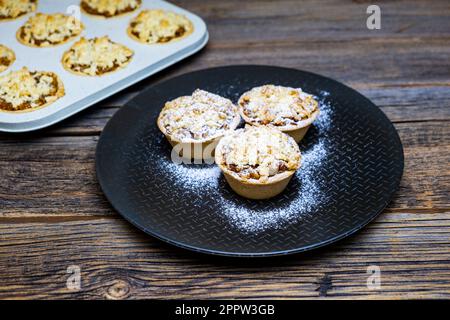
{"x": 7, "y": 57}
{"x": 44, "y": 30}
{"x": 97, "y": 56}
{"x": 203, "y": 115}
{"x": 277, "y": 106}
{"x": 259, "y": 153}
{"x": 24, "y": 89}
{"x": 159, "y": 26}
{"x": 109, "y": 8}
{"x": 11, "y": 9}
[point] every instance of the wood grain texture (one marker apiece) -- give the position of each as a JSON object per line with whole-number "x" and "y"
{"x": 400, "y": 104}
{"x": 53, "y": 214}
{"x": 65, "y": 166}
{"x": 117, "y": 261}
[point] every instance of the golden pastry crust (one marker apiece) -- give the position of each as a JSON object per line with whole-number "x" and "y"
{"x": 46, "y": 30}
{"x": 159, "y": 26}
{"x": 96, "y": 57}
{"x": 200, "y": 117}
{"x": 258, "y": 155}
{"x": 283, "y": 107}
{"x": 13, "y": 9}
{"x": 109, "y": 8}
{"x": 25, "y": 90}
{"x": 7, "y": 57}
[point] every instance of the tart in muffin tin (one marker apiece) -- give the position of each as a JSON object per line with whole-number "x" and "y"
{"x": 109, "y": 8}
{"x": 14, "y": 9}
{"x": 26, "y": 90}
{"x": 7, "y": 57}
{"x": 96, "y": 57}
{"x": 159, "y": 27}
{"x": 47, "y": 30}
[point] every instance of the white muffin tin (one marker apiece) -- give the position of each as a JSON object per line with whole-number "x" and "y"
{"x": 81, "y": 91}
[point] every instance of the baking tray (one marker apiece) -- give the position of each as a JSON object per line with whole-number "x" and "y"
{"x": 81, "y": 91}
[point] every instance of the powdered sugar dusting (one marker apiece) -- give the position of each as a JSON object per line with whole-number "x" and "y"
{"x": 192, "y": 177}
{"x": 203, "y": 181}
{"x": 324, "y": 121}
{"x": 196, "y": 178}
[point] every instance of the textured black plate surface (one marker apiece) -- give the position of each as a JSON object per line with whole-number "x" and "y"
{"x": 353, "y": 162}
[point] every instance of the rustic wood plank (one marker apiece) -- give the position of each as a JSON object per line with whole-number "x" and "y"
{"x": 325, "y": 20}
{"x": 56, "y": 175}
{"x": 330, "y": 38}
{"x": 50, "y": 176}
{"x": 404, "y": 104}
{"x": 117, "y": 261}
{"x": 381, "y": 61}
{"x": 367, "y": 61}
{"x": 399, "y": 103}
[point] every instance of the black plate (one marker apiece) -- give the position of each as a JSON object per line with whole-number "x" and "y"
{"x": 352, "y": 165}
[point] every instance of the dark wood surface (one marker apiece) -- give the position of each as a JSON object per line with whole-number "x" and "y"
{"x": 53, "y": 214}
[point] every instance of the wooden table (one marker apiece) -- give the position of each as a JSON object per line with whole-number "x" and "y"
{"x": 53, "y": 213}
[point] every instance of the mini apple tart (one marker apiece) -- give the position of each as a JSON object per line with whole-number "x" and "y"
{"x": 25, "y": 90}
{"x": 13, "y": 9}
{"x": 195, "y": 123}
{"x": 159, "y": 26}
{"x": 288, "y": 109}
{"x": 46, "y": 30}
{"x": 7, "y": 57}
{"x": 109, "y": 8}
{"x": 258, "y": 162}
{"x": 96, "y": 57}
